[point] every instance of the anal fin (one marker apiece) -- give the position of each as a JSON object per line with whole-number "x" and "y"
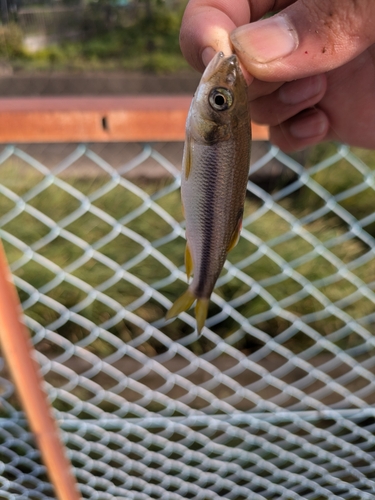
{"x": 188, "y": 261}
{"x": 235, "y": 235}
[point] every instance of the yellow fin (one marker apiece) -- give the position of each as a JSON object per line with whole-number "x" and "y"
{"x": 235, "y": 236}
{"x": 201, "y": 310}
{"x": 187, "y": 157}
{"x": 182, "y": 304}
{"x": 188, "y": 261}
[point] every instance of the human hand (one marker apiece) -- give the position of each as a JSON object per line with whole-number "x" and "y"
{"x": 312, "y": 65}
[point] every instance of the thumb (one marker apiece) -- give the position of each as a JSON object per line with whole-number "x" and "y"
{"x": 306, "y": 38}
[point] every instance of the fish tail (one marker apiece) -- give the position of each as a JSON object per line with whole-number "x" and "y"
{"x": 182, "y": 304}
{"x": 201, "y": 310}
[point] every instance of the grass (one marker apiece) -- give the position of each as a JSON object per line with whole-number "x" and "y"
{"x": 122, "y": 250}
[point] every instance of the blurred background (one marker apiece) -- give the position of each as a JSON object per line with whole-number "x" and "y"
{"x": 65, "y": 39}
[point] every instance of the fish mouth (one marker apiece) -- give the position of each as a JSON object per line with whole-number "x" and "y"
{"x": 226, "y": 65}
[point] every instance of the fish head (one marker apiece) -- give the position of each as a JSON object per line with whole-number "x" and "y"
{"x": 220, "y": 100}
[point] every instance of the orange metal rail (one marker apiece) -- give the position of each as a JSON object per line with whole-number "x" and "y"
{"x": 97, "y": 119}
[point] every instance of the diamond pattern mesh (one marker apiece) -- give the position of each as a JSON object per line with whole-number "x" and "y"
{"x": 273, "y": 401}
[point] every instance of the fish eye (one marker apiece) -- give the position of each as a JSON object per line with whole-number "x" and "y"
{"x": 220, "y": 99}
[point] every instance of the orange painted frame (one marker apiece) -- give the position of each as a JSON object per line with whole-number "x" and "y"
{"x": 98, "y": 119}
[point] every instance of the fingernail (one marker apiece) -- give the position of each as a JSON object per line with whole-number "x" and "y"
{"x": 310, "y": 124}
{"x": 267, "y": 40}
{"x": 301, "y": 90}
{"x": 207, "y": 54}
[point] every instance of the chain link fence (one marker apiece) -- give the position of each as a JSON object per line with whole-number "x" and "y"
{"x": 275, "y": 400}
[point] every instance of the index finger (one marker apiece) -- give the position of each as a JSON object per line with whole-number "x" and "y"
{"x": 208, "y": 23}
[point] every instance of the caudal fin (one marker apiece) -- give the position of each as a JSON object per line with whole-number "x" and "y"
{"x": 184, "y": 302}
{"x": 201, "y": 310}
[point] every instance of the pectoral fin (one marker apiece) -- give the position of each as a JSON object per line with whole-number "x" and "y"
{"x": 187, "y": 157}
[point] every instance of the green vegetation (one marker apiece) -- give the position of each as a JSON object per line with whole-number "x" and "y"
{"x": 11, "y": 42}
{"x": 110, "y": 51}
{"x": 145, "y": 41}
{"x": 119, "y": 203}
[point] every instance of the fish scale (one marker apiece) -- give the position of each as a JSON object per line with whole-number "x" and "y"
{"x": 214, "y": 178}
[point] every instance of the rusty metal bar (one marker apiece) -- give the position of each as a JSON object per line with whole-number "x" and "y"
{"x": 97, "y": 119}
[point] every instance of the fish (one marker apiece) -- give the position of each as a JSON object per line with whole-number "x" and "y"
{"x": 215, "y": 170}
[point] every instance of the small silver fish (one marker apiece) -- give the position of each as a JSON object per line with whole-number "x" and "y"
{"x": 214, "y": 177}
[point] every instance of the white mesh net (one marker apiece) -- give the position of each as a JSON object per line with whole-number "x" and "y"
{"x": 273, "y": 401}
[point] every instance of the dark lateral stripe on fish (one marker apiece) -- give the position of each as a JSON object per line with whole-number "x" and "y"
{"x": 211, "y": 179}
